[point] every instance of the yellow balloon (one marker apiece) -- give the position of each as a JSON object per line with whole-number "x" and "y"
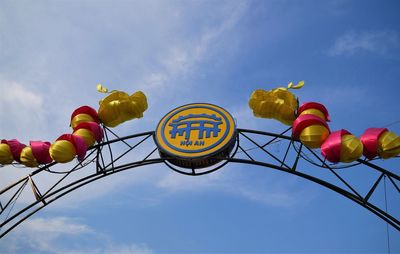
{"x": 62, "y": 151}
{"x": 5, "y": 154}
{"x": 119, "y": 107}
{"x": 87, "y": 136}
{"x": 27, "y": 157}
{"x": 351, "y": 148}
{"x": 279, "y": 104}
{"x": 314, "y": 112}
{"x": 313, "y": 136}
{"x": 81, "y": 118}
{"x": 388, "y": 145}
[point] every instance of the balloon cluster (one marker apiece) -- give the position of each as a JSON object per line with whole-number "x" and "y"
{"x": 341, "y": 146}
{"x": 310, "y": 126}
{"x": 117, "y": 107}
{"x": 278, "y": 103}
{"x": 86, "y": 131}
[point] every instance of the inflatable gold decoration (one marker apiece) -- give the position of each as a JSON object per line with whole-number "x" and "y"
{"x": 90, "y": 132}
{"x": 27, "y": 157}
{"x": 62, "y": 151}
{"x": 310, "y": 126}
{"x": 314, "y": 108}
{"x": 15, "y": 148}
{"x": 342, "y": 146}
{"x": 66, "y": 147}
{"x": 119, "y": 107}
{"x": 83, "y": 114}
{"x": 380, "y": 142}
{"x": 278, "y": 103}
{"x": 313, "y": 134}
{"x": 115, "y": 108}
{"x": 351, "y": 148}
{"x": 5, "y": 154}
{"x": 388, "y": 145}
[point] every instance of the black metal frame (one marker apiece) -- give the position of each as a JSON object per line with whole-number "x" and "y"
{"x": 109, "y": 161}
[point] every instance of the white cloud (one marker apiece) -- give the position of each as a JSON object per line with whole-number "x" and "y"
{"x": 55, "y": 226}
{"x": 22, "y": 109}
{"x": 42, "y": 235}
{"x": 183, "y": 57}
{"x": 55, "y": 235}
{"x": 178, "y": 52}
{"x": 16, "y": 93}
{"x": 380, "y": 42}
{"x": 263, "y": 190}
{"x": 275, "y": 198}
{"x": 124, "y": 249}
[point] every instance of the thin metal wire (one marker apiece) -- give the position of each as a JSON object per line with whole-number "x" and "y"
{"x": 256, "y": 147}
{"x": 386, "y": 210}
{"x": 62, "y": 190}
{"x": 15, "y": 200}
{"x": 392, "y": 123}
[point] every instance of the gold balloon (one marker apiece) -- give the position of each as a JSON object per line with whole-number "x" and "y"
{"x": 81, "y": 118}
{"x": 388, "y": 145}
{"x": 62, "y": 151}
{"x": 27, "y": 157}
{"x": 87, "y": 136}
{"x": 5, "y": 154}
{"x": 313, "y": 136}
{"x": 314, "y": 112}
{"x": 279, "y": 104}
{"x": 119, "y": 107}
{"x": 351, "y": 148}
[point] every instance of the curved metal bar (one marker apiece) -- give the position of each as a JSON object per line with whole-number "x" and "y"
{"x": 382, "y": 214}
{"x": 55, "y": 193}
{"x": 91, "y": 148}
{"x": 365, "y": 162}
{"x": 79, "y": 183}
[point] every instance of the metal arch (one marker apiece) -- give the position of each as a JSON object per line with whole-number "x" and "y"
{"x": 104, "y": 167}
{"x": 351, "y": 192}
{"x": 108, "y": 161}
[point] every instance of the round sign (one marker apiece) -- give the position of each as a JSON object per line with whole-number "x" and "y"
{"x": 195, "y": 133}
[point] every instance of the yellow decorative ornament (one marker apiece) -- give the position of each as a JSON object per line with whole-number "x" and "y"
{"x": 278, "y": 103}
{"x": 342, "y": 146}
{"x": 81, "y": 118}
{"x": 5, "y": 154}
{"x": 87, "y": 136}
{"x": 388, "y": 145}
{"x": 27, "y": 157}
{"x": 83, "y": 114}
{"x": 62, "y": 151}
{"x": 351, "y": 148}
{"x": 119, "y": 107}
{"x": 314, "y": 135}
{"x": 314, "y": 108}
{"x": 314, "y": 112}
{"x": 101, "y": 88}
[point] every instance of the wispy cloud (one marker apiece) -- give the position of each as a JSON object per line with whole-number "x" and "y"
{"x": 56, "y": 226}
{"x": 22, "y": 109}
{"x": 264, "y": 190}
{"x": 182, "y": 58}
{"x": 380, "y": 42}
{"x": 48, "y": 84}
{"x": 47, "y": 235}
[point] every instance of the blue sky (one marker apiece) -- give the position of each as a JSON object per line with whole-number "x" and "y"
{"x": 53, "y": 53}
